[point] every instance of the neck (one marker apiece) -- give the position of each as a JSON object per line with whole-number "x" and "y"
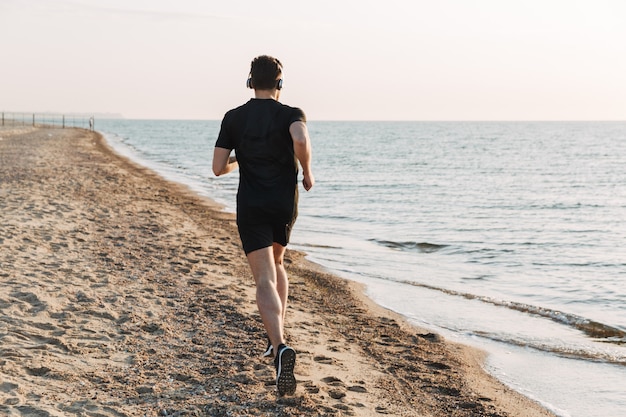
{"x": 265, "y": 94}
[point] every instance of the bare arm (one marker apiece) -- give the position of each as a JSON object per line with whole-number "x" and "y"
{"x": 223, "y": 163}
{"x": 302, "y": 149}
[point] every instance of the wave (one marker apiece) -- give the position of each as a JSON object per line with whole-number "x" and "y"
{"x": 596, "y": 330}
{"x": 422, "y": 247}
{"x": 313, "y": 245}
{"x": 562, "y": 351}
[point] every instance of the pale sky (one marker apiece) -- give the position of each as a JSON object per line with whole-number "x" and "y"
{"x": 343, "y": 59}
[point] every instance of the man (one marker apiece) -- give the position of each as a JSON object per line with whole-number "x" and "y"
{"x": 269, "y": 139}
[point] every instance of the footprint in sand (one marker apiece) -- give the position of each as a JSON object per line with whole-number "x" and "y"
{"x": 29, "y": 298}
{"x": 7, "y": 387}
{"x": 336, "y": 394}
{"x": 324, "y": 360}
{"x": 311, "y": 388}
{"x": 337, "y": 391}
{"x": 333, "y": 381}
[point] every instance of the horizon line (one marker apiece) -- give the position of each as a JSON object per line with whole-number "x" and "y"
{"x": 119, "y": 116}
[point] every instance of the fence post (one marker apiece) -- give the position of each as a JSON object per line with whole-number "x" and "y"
{"x": 33, "y": 119}
{"x": 2, "y": 118}
{"x": 63, "y": 121}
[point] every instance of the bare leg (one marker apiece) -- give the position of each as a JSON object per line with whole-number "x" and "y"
{"x": 268, "y": 299}
{"x": 282, "y": 281}
{"x": 271, "y": 296}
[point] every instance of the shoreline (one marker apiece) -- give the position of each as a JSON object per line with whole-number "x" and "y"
{"x": 129, "y": 295}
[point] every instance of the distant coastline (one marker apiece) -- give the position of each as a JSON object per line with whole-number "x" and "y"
{"x": 112, "y": 116}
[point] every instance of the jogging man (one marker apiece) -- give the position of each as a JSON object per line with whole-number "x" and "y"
{"x": 269, "y": 138}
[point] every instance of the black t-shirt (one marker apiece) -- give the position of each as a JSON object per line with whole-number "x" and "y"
{"x": 258, "y": 131}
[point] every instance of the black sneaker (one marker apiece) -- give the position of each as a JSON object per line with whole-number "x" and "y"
{"x": 269, "y": 351}
{"x": 285, "y": 362}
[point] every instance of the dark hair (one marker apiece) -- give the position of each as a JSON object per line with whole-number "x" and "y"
{"x": 264, "y": 71}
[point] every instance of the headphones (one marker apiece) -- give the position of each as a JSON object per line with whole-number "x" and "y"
{"x": 279, "y": 83}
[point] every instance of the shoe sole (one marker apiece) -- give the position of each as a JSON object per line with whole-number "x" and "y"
{"x": 285, "y": 380}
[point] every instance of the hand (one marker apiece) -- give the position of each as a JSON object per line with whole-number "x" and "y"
{"x": 308, "y": 181}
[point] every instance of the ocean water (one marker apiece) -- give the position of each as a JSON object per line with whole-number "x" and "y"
{"x": 507, "y": 236}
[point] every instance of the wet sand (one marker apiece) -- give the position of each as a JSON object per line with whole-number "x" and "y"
{"x": 126, "y": 295}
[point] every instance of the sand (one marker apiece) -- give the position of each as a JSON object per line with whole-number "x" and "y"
{"x": 126, "y": 295}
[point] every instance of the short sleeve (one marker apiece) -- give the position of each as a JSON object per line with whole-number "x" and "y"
{"x": 224, "y": 139}
{"x": 297, "y": 115}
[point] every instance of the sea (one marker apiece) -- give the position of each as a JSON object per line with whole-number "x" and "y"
{"x": 505, "y": 236}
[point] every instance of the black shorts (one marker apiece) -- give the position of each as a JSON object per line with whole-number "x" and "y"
{"x": 259, "y": 236}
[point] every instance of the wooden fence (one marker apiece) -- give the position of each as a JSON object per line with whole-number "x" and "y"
{"x": 47, "y": 120}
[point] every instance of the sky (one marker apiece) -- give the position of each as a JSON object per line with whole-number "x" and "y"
{"x": 343, "y": 59}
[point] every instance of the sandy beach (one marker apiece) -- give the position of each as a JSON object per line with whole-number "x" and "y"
{"x": 127, "y": 295}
